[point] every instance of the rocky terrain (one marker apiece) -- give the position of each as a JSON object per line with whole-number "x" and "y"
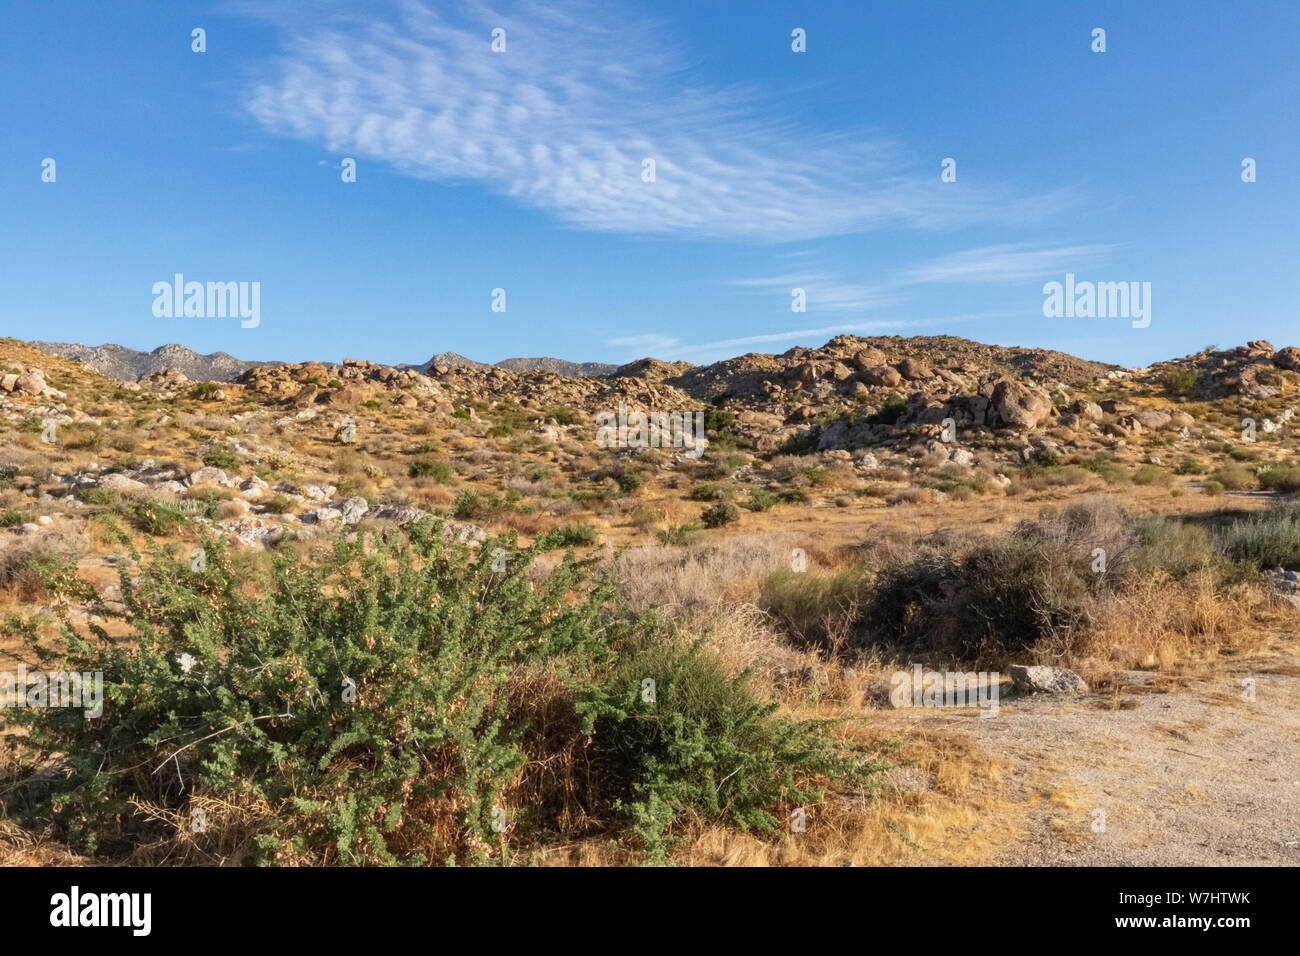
{"x": 544, "y": 364}
{"x": 937, "y": 416}
{"x": 825, "y": 477}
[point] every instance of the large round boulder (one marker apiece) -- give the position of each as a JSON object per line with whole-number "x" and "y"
{"x": 914, "y": 369}
{"x": 1288, "y": 358}
{"x": 881, "y": 375}
{"x": 1019, "y": 406}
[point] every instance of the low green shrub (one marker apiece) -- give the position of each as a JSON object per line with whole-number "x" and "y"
{"x": 724, "y": 512}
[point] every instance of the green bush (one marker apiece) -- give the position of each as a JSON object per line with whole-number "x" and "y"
{"x": 221, "y": 455}
{"x": 1178, "y": 382}
{"x": 890, "y": 411}
{"x": 571, "y": 534}
{"x": 1281, "y": 478}
{"x": 7, "y": 475}
{"x": 1267, "y": 540}
{"x": 680, "y": 535}
{"x": 716, "y": 420}
{"x": 1176, "y": 547}
{"x": 439, "y": 471}
{"x": 376, "y": 707}
{"x": 810, "y": 605}
{"x": 1152, "y": 475}
{"x": 467, "y": 504}
{"x": 103, "y": 497}
{"x": 702, "y": 743}
{"x": 1213, "y": 488}
{"x": 157, "y": 518}
{"x": 364, "y": 699}
{"x": 760, "y": 499}
{"x": 1233, "y": 477}
{"x": 630, "y": 482}
{"x": 708, "y": 491}
{"x": 724, "y": 512}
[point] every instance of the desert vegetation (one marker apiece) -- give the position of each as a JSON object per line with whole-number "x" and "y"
{"x": 435, "y": 622}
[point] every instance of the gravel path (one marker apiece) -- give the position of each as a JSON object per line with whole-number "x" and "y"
{"x": 1195, "y": 776}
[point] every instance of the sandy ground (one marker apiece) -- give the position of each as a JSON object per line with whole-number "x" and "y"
{"x": 1151, "y": 776}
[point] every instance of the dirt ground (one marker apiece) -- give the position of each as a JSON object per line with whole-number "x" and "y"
{"x": 1151, "y": 772}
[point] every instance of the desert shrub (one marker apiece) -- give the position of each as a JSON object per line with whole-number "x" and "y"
{"x": 760, "y": 499}
{"x": 722, "y": 513}
{"x": 1178, "y": 548}
{"x": 204, "y": 389}
{"x": 1267, "y": 540}
{"x": 815, "y": 607}
{"x": 709, "y": 491}
{"x": 101, "y": 497}
{"x": 680, "y": 535}
{"x": 276, "y": 460}
{"x": 1112, "y": 472}
{"x": 363, "y": 698}
{"x": 802, "y": 442}
{"x": 26, "y": 569}
{"x": 439, "y": 471}
{"x": 159, "y": 518}
{"x": 1152, "y": 475}
{"x": 1279, "y": 477}
{"x": 278, "y": 504}
{"x": 7, "y": 475}
{"x": 891, "y": 410}
{"x": 1026, "y": 591}
{"x": 467, "y": 504}
{"x": 702, "y": 743}
{"x": 1178, "y": 382}
{"x": 1189, "y": 466}
{"x": 568, "y": 535}
{"x": 221, "y": 455}
{"x": 1213, "y": 488}
{"x": 564, "y": 414}
{"x": 630, "y": 482}
{"x": 716, "y": 420}
{"x": 1233, "y": 477}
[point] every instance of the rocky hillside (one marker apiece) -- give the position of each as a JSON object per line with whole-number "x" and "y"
{"x": 543, "y": 364}
{"x": 558, "y": 366}
{"x": 119, "y": 362}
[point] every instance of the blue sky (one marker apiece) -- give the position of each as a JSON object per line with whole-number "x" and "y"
{"x": 522, "y": 170}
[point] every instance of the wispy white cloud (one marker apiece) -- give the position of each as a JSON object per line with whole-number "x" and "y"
{"x": 1005, "y": 263}
{"x": 1010, "y": 262}
{"x": 670, "y": 348}
{"x": 563, "y": 119}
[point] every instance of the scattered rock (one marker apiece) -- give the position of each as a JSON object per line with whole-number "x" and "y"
{"x": 1046, "y": 680}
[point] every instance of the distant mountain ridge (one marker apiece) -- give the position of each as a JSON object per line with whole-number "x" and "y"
{"x": 545, "y": 364}
{"x": 120, "y": 362}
